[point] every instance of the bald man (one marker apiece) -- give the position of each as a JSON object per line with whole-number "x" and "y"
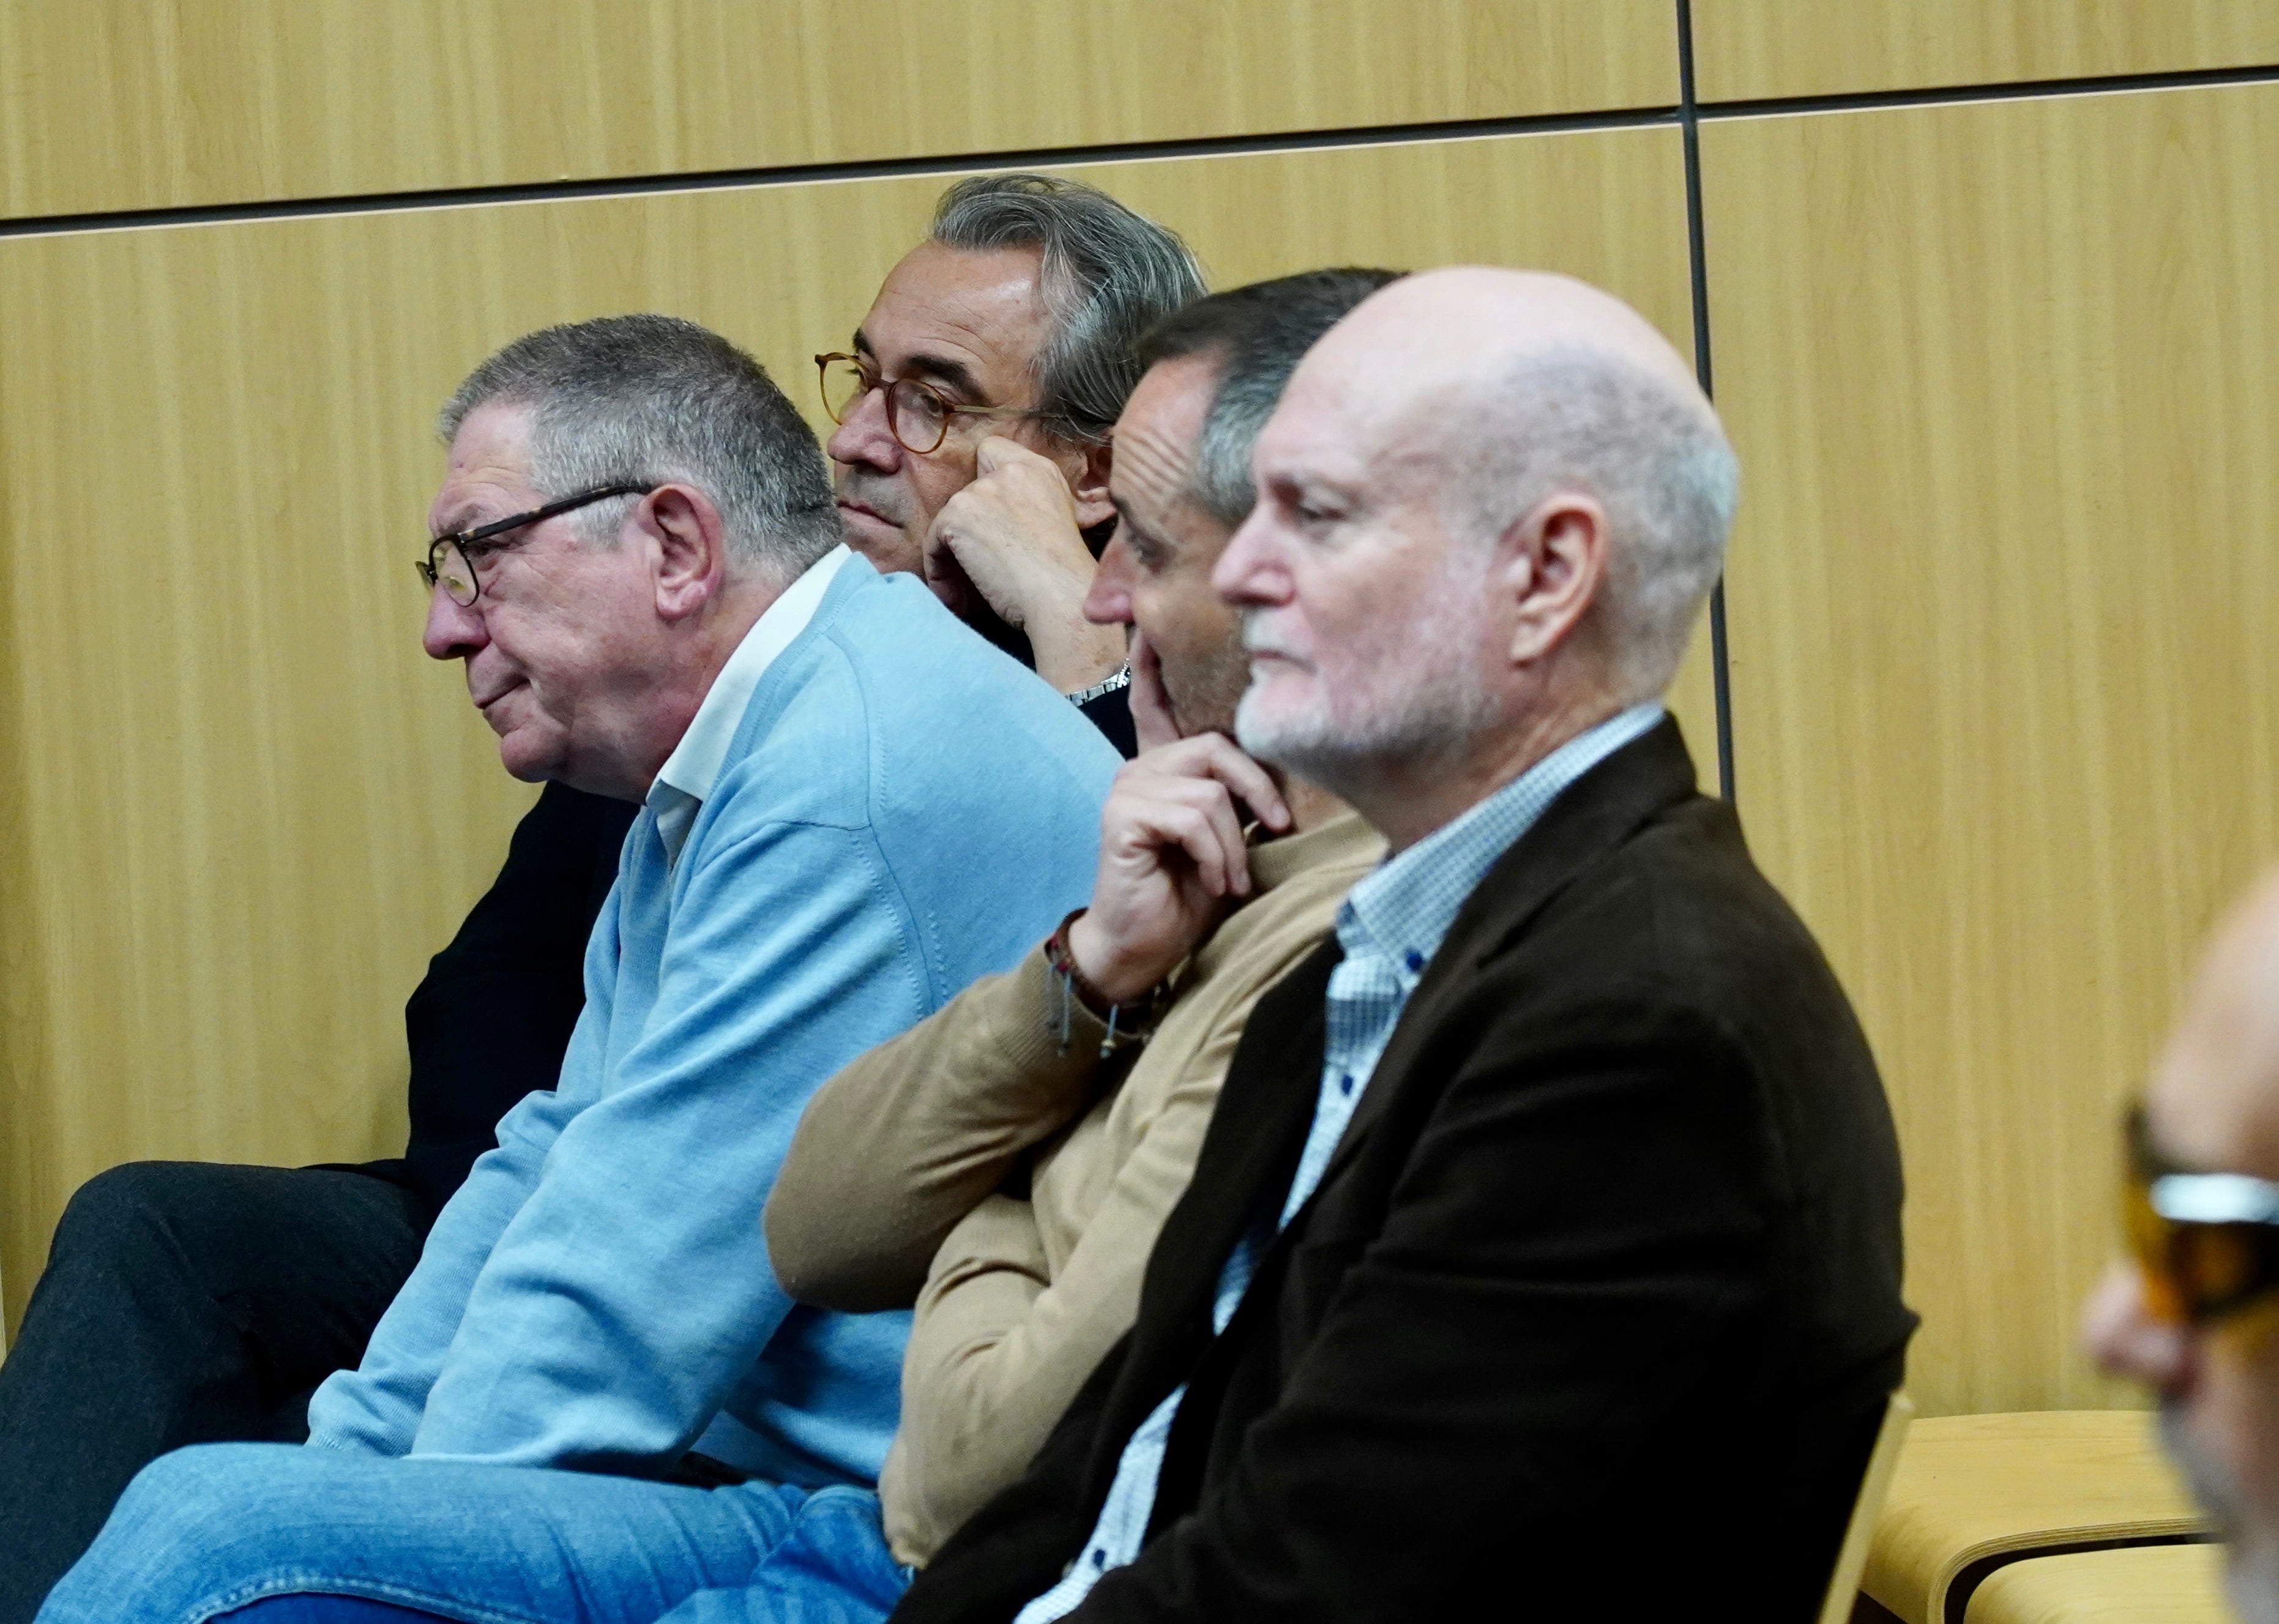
{"x": 1545, "y": 1238}
{"x": 2192, "y": 1319}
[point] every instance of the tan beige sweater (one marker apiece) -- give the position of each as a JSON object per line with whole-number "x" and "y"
{"x": 893, "y": 1188}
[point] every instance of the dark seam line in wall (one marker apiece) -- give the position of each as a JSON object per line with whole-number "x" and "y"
{"x": 1364, "y": 135}
{"x": 1697, "y": 255}
{"x": 866, "y": 169}
{"x": 2017, "y": 90}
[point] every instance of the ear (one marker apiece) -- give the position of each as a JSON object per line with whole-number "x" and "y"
{"x": 688, "y": 545}
{"x": 1555, "y": 567}
{"x": 1086, "y": 468}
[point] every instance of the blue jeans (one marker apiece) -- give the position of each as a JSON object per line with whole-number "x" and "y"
{"x": 221, "y": 1528}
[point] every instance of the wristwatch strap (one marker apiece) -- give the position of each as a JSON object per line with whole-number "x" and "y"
{"x": 1121, "y": 677}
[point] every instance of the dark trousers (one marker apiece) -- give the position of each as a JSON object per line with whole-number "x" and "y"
{"x": 183, "y": 1303}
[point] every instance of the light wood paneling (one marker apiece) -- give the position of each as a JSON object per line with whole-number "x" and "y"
{"x": 2003, "y": 613}
{"x": 114, "y": 104}
{"x": 247, "y": 807}
{"x": 1751, "y": 49}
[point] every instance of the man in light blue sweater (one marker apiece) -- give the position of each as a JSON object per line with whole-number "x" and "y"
{"x": 852, "y": 807}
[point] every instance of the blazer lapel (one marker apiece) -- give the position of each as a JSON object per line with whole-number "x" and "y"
{"x": 1599, "y": 811}
{"x": 1249, "y": 1155}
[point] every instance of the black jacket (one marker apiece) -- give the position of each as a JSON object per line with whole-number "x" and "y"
{"x": 493, "y": 1016}
{"x": 1594, "y": 1312}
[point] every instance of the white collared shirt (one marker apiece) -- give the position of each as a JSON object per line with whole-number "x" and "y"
{"x": 687, "y": 775}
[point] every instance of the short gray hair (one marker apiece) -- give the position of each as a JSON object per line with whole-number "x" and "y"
{"x": 1659, "y": 463}
{"x": 649, "y": 400}
{"x": 1258, "y": 333}
{"x": 1108, "y": 275}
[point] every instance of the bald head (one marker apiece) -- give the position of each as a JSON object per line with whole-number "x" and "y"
{"x": 1490, "y": 505}
{"x": 1502, "y": 387}
{"x": 2214, "y": 1094}
{"x": 1440, "y": 330}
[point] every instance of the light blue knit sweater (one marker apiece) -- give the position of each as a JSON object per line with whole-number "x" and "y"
{"x": 903, "y": 809}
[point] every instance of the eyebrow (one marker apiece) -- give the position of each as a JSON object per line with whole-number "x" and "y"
{"x": 1155, "y": 537}
{"x": 459, "y": 521}
{"x": 940, "y": 369}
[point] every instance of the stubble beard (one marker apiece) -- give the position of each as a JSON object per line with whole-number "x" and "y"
{"x": 1423, "y": 708}
{"x": 1206, "y": 695}
{"x": 904, "y": 554}
{"x": 2251, "y": 1570}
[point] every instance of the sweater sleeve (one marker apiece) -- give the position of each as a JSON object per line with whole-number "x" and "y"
{"x": 490, "y": 1021}
{"x": 998, "y": 1348}
{"x": 375, "y": 1408}
{"x": 906, "y": 1140}
{"x": 631, "y": 1264}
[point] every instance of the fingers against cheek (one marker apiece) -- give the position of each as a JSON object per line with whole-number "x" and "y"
{"x": 1151, "y": 706}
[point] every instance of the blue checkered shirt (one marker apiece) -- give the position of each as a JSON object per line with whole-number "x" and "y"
{"x": 1389, "y": 928}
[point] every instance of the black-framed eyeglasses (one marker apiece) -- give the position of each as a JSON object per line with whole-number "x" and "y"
{"x": 917, "y": 414}
{"x": 450, "y": 561}
{"x": 2207, "y": 1242}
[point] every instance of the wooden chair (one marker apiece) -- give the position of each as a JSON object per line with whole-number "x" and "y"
{"x": 1972, "y": 1493}
{"x": 1860, "y": 1532}
{"x": 2130, "y": 1584}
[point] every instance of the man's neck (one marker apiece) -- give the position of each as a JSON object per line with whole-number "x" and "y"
{"x": 1310, "y": 804}
{"x": 1409, "y": 800}
{"x": 726, "y": 621}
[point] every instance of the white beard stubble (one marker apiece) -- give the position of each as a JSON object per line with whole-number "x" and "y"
{"x": 1418, "y": 697}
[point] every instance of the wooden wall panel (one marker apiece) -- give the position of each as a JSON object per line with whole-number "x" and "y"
{"x": 242, "y": 807}
{"x": 2004, "y": 628}
{"x": 117, "y": 104}
{"x": 1754, "y": 50}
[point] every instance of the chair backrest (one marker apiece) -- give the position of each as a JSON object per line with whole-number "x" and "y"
{"x": 1859, "y": 1533}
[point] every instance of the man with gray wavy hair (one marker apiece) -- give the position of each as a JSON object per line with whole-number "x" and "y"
{"x": 975, "y": 405}
{"x": 593, "y": 1382}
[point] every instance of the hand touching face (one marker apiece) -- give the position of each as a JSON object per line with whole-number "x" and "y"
{"x": 1011, "y": 539}
{"x": 1172, "y": 857}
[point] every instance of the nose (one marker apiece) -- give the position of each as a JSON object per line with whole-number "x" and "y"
{"x": 2123, "y": 1335}
{"x": 454, "y": 631}
{"x": 863, "y": 439}
{"x": 1107, "y": 602}
{"x": 1251, "y": 572}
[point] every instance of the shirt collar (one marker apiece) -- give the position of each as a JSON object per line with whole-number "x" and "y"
{"x": 688, "y": 774}
{"x": 1402, "y": 911}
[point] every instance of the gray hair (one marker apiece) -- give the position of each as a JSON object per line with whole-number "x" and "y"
{"x": 1258, "y": 334}
{"x": 1659, "y": 463}
{"x": 1108, "y": 275}
{"x": 649, "y": 400}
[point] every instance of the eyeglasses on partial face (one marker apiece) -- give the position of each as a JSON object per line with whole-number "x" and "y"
{"x": 450, "y": 561}
{"x": 917, "y": 414}
{"x": 2207, "y": 1242}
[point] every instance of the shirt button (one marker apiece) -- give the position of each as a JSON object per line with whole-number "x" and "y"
{"x": 1345, "y": 1084}
{"x": 1098, "y": 1559}
{"x": 1416, "y": 962}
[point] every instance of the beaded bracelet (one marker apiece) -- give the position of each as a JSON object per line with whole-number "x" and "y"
{"x": 1127, "y": 1023}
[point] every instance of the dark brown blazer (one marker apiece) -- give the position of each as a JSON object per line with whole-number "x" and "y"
{"x": 1594, "y": 1310}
